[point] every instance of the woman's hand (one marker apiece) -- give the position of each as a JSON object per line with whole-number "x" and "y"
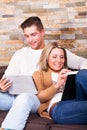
{"x": 5, "y": 84}
{"x": 62, "y": 77}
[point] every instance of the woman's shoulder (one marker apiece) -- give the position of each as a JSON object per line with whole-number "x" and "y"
{"x": 41, "y": 74}
{"x": 38, "y": 72}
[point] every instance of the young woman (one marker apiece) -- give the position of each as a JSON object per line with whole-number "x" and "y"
{"x": 50, "y": 81}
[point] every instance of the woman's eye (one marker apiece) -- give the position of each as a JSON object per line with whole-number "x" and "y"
{"x": 62, "y": 57}
{"x": 54, "y": 56}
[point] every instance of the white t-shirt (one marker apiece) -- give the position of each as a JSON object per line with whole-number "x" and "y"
{"x": 57, "y": 96}
{"x": 24, "y": 62}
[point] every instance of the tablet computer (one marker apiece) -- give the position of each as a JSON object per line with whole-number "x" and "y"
{"x": 69, "y": 91}
{"x": 22, "y": 84}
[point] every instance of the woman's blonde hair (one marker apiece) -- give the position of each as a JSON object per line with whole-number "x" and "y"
{"x": 43, "y": 62}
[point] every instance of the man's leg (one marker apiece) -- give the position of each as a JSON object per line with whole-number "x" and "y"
{"x": 6, "y": 101}
{"x": 18, "y": 114}
{"x": 81, "y": 85}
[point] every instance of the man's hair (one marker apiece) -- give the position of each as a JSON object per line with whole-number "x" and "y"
{"x": 34, "y": 20}
{"x": 43, "y": 62}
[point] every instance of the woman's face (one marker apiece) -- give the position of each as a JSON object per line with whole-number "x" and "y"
{"x": 56, "y": 59}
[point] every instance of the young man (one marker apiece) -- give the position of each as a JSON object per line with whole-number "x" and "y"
{"x": 24, "y": 62}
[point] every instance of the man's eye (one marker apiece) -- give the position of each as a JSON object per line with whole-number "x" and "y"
{"x": 34, "y": 34}
{"x": 26, "y": 36}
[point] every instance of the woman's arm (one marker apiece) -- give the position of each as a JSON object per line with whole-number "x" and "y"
{"x": 45, "y": 92}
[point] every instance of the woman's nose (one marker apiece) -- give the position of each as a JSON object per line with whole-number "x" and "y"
{"x": 58, "y": 59}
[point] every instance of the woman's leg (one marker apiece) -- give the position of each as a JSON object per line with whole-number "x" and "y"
{"x": 81, "y": 85}
{"x": 70, "y": 112}
{"x": 18, "y": 114}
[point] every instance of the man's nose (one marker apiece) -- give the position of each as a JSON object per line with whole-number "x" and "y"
{"x": 30, "y": 39}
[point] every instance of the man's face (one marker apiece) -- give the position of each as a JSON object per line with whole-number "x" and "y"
{"x": 34, "y": 37}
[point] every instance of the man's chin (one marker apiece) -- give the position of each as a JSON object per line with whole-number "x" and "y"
{"x": 34, "y": 47}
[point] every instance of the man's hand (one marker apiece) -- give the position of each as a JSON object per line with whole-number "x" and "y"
{"x": 5, "y": 84}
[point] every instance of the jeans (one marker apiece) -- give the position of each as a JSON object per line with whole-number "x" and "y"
{"x": 6, "y": 101}
{"x": 81, "y": 85}
{"x": 73, "y": 111}
{"x": 20, "y": 107}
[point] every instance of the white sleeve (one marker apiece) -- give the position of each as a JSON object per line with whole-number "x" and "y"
{"x": 13, "y": 67}
{"x": 76, "y": 62}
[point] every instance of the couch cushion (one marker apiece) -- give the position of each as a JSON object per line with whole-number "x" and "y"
{"x": 35, "y": 122}
{"x": 2, "y": 116}
{"x": 67, "y": 127}
{"x": 2, "y": 69}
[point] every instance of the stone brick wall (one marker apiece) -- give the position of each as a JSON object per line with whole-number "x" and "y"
{"x": 64, "y": 21}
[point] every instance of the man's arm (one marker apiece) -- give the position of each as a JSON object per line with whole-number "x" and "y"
{"x": 76, "y": 62}
{"x": 13, "y": 67}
